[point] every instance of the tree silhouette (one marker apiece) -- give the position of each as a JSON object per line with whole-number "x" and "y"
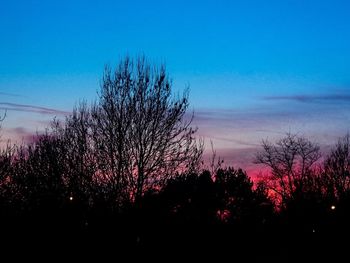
{"x": 7, "y": 204}
{"x": 38, "y": 174}
{"x": 292, "y": 162}
{"x": 78, "y": 157}
{"x": 239, "y": 202}
{"x": 337, "y": 168}
{"x": 140, "y": 131}
{"x": 124, "y": 174}
{"x": 5, "y": 162}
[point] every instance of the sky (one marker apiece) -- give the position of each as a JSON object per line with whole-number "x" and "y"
{"x": 255, "y": 69}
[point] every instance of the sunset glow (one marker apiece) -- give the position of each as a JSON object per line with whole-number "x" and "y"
{"x": 175, "y": 129}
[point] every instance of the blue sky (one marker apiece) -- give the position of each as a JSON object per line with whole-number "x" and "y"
{"x": 255, "y": 69}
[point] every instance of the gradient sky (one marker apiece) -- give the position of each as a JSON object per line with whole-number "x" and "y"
{"x": 256, "y": 69}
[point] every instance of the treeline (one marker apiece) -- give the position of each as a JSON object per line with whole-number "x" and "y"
{"x": 126, "y": 172}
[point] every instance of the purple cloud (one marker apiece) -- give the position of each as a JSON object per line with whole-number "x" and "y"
{"x": 240, "y": 142}
{"x": 31, "y": 108}
{"x": 10, "y": 94}
{"x": 312, "y": 98}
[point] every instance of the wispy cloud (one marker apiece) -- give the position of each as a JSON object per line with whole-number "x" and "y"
{"x": 254, "y": 118}
{"x": 31, "y": 108}
{"x": 312, "y": 98}
{"x": 10, "y": 94}
{"x": 236, "y": 141}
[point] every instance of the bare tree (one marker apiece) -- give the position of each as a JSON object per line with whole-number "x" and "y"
{"x": 2, "y": 118}
{"x": 140, "y": 129}
{"x": 292, "y": 161}
{"x": 110, "y": 125}
{"x": 337, "y": 167}
{"x": 6, "y": 159}
{"x": 37, "y": 173}
{"x": 6, "y": 168}
{"x": 76, "y": 146}
{"x": 133, "y": 139}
